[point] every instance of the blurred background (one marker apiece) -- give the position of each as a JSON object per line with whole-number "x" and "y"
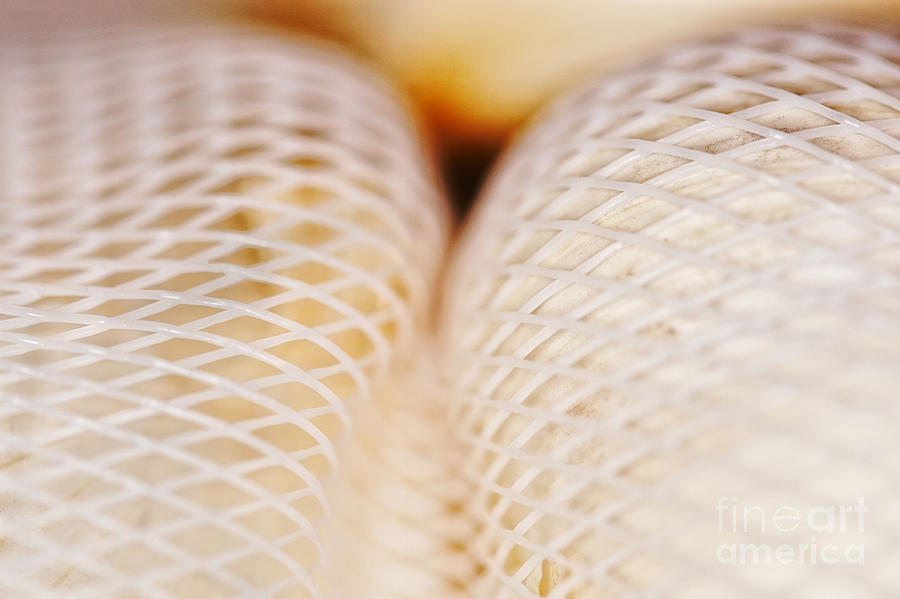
{"x": 478, "y": 68}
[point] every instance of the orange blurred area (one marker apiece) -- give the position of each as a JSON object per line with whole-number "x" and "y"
{"x": 477, "y": 69}
{"x": 480, "y": 67}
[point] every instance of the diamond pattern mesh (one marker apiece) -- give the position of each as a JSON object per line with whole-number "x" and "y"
{"x": 400, "y": 530}
{"x": 683, "y": 285}
{"x": 217, "y": 250}
{"x": 215, "y": 243}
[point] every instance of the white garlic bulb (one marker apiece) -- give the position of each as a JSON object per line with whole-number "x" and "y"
{"x": 674, "y": 321}
{"x": 216, "y": 242}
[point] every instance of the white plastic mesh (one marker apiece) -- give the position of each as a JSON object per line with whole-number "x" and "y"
{"x": 215, "y": 243}
{"x": 399, "y": 530}
{"x": 683, "y": 285}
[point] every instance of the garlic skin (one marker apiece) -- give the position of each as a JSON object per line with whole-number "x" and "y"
{"x": 480, "y": 68}
{"x": 681, "y": 287}
{"x": 216, "y": 242}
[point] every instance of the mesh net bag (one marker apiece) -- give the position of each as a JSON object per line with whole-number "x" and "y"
{"x": 675, "y": 313}
{"x": 673, "y": 321}
{"x": 399, "y": 530}
{"x": 215, "y": 245}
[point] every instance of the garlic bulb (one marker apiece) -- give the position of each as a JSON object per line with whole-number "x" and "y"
{"x": 673, "y": 325}
{"x": 216, "y": 241}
